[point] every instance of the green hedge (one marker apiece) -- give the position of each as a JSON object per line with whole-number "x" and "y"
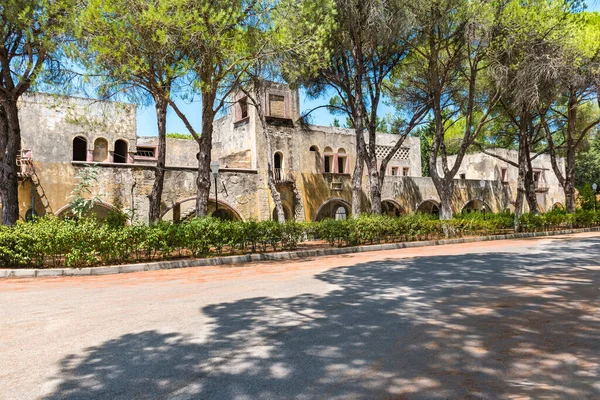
{"x": 51, "y": 242}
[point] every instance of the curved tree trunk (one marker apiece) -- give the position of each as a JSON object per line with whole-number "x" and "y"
{"x": 159, "y": 174}
{"x": 275, "y": 195}
{"x": 10, "y": 143}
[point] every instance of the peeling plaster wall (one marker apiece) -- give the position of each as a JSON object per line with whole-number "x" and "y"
{"x": 49, "y": 124}
{"x": 479, "y": 166}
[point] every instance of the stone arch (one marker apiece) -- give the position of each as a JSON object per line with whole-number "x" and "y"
{"x": 80, "y": 148}
{"x": 392, "y": 208}
{"x": 121, "y": 155}
{"x": 558, "y": 206}
{"x": 178, "y": 213}
{"x": 318, "y": 162}
{"x": 330, "y": 208}
{"x": 101, "y": 209}
{"x": 429, "y": 207}
{"x": 286, "y": 213}
{"x": 100, "y": 152}
{"x": 278, "y": 160}
{"x": 475, "y": 205}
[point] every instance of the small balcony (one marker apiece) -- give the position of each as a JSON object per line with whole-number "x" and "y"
{"x": 283, "y": 176}
{"x": 540, "y": 187}
{"x": 24, "y": 165}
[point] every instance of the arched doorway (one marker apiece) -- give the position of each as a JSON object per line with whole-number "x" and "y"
{"x": 186, "y": 208}
{"x": 99, "y": 210}
{"x": 392, "y": 208}
{"x": 476, "y": 205}
{"x": 223, "y": 214}
{"x": 80, "y": 149}
{"x": 429, "y": 207}
{"x": 334, "y": 208}
{"x": 120, "y": 153}
{"x": 286, "y": 214}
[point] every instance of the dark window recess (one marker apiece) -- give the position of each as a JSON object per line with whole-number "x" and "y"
{"x": 341, "y": 165}
{"x": 243, "y": 108}
{"x": 79, "y": 149}
{"x": 463, "y": 176}
{"x": 405, "y": 171}
{"x": 503, "y": 173}
{"x": 327, "y": 165}
{"x": 120, "y": 154}
{"x": 145, "y": 152}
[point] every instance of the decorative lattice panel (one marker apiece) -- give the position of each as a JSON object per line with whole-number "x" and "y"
{"x": 401, "y": 154}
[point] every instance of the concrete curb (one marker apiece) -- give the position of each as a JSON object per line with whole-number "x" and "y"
{"x": 248, "y": 258}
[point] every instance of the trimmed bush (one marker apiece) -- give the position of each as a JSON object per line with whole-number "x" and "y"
{"x": 51, "y": 242}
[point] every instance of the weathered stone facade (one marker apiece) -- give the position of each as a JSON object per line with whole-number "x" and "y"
{"x": 62, "y": 135}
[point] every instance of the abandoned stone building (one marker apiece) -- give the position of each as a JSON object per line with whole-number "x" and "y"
{"x": 313, "y": 164}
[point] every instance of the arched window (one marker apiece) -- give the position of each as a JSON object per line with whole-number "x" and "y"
{"x": 100, "y": 153}
{"x": 314, "y": 148}
{"x": 278, "y": 165}
{"x": 120, "y": 154}
{"x": 79, "y": 149}
{"x": 341, "y": 161}
{"x": 328, "y": 157}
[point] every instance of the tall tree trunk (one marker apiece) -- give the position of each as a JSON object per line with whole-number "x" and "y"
{"x": 524, "y": 157}
{"x": 357, "y": 176}
{"x": 10, "y": 144}
{"x": 359, "y": 167}
{"x": 159, "y": 174}
{"x": 519, "y": 202}
{"x": 529, "y": 183}
{"x": 203, "y": 181}
{"x": 375, "y": 187}
{"x": 445, "y": 188}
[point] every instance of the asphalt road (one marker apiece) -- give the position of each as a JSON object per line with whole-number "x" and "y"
{"x": 507, "y": 319}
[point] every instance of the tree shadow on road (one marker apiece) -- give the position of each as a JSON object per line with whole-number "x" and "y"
{"x": 491, "y": 325}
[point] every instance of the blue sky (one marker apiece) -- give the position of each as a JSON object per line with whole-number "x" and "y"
{"x": 146, "y": 118}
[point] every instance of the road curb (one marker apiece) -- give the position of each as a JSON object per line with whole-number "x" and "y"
{"x": 280, "y": 256}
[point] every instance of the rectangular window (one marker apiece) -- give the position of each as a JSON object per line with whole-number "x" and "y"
{"x": 405, "y": 171}
{"x": 463, "y": 176}
{"x": 394, "y": 171}
{"x": 503, "y": 174}
{"x": 149, "y": 152}
{"x": 342, "y": 165}
{"x": 328, "y": 163}
{"x": 276, "y": 106}
{"x": 243, "y": 108}
{"x": 537, "y": 175}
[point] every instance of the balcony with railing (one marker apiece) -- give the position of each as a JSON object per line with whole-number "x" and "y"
{"x": 540, "y": 186}
{"x": 283, "y": 176}
{"x": 24, "y": 164}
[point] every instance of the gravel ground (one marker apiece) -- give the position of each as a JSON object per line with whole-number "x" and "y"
{"x": 507, "y": 319}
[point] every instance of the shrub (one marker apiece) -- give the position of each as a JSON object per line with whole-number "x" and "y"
{"x": 88, "y": 242}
